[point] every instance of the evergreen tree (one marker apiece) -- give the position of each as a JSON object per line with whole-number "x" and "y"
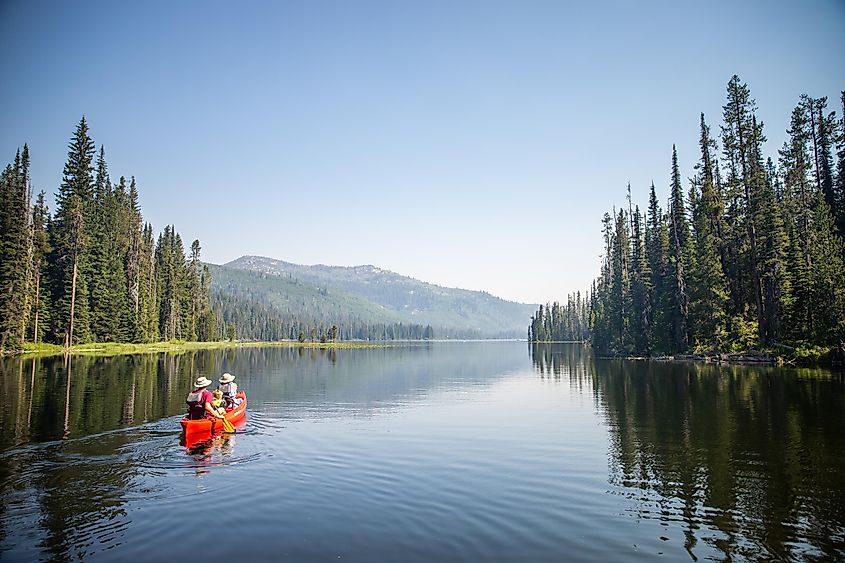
{"x": 198, "y": 281}
{"x": 678, "y": 244}
{"x": 601, "y": 312}
{"x": 29, "y": 286}
{"x": 640, "y": 289}
{"x": 772, "y": 246}
{"x": 657, "y": 253}
{"x": 828, "y": 290}
{"x": 169, "y": 260}
{"x": 14, "y": 244}
{"x": 119, "y": 215}
{"x": 102, "y": 320}
{"x": 620, "y": 286}
{"x": 708, "y": 287}
{"x": 40, "y": 315}
{"x": 838, "y": 209}
{"x": 207, "y": 320}
{"x": 148, "y": 293}
{"x": 134, "y": 236}
{"x": 69, "y": 258}
{"x": 821, "y": 136}
{"x": 797, "y": 203}
{"x": 742, "y": 136}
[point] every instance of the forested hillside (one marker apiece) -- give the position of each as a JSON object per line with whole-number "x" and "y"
{"x": 93, "y": 270}
{"x": 452, "y": 312}
{"x": 269, "y": 307}
{"x": 748, "y": 253}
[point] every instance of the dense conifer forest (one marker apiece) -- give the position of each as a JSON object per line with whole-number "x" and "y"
{"x": 270, "y": 307}
{"x": 252, "y": 317}
{"x": 747, "y": 253}
{"x": 93, "y": 271}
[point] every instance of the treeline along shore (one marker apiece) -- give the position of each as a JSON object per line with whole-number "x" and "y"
{"x": 94, "y": 272}
{"x": 748, "y": 255}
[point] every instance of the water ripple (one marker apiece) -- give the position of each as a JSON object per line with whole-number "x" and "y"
{"x": 462, "y": 454}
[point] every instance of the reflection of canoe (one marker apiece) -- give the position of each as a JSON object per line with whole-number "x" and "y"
{"x": 214, "y": 424}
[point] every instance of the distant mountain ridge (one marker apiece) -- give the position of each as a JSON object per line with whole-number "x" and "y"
{"x": 394, "y": 296}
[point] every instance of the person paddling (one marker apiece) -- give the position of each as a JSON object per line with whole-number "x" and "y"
{"x": 230, "y": 390}
{"x": 200, "y": 401}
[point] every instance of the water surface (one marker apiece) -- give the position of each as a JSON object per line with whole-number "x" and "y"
{"x": 446, "y": 451}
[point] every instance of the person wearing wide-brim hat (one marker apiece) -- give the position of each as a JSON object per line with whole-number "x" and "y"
{"x": 199, "y": 401}
{"x": 229, "y": 389}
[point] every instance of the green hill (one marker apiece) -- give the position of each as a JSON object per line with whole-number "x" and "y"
{"x": 293, "y": 297}
{"x": 371, "y": 294}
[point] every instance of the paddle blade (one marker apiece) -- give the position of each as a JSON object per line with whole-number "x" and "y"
{"x": 228, "y": 426}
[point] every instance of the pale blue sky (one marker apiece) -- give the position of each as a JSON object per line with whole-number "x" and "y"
{"x": 469, "y": 144}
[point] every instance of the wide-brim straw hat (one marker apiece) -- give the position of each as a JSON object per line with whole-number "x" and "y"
{"x": 202, "y": 382}
{"x": 227, "y": 378}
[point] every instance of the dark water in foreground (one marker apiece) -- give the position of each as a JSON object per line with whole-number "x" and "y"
{"x": 475, "y": 451}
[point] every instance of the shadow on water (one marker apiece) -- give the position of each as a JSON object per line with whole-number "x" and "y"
{"x": 750, "y": 461}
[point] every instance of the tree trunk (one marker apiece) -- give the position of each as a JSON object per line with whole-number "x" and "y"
{"x": 37, "y": 302}
{"x": 31, "y": 271}
{"x": 69, "y": 341}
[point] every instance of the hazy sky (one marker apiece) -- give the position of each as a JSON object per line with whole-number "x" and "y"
{"x": 469, "y": 144}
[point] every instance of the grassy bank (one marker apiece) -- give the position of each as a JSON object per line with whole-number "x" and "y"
{"x": 119, "y": 349}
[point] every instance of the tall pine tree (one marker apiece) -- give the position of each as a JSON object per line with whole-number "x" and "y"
{"x": 14, "y": 252}
{"x": 676, "y": 274}
{"x": 69, "y": 241}
{"x": 707, "y": 287}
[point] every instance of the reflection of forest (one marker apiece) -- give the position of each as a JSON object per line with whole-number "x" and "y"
{"x": 292, "y": 382}
{"x": 75, "y": 490}
{"x": 65, "y": 478}
{"x": 104, "y": 393}
{"x": 570, "y": 360}
{"x": 115, "y": 392}
{"x": 71, "y": 489}
{"x": 750, "y": 460}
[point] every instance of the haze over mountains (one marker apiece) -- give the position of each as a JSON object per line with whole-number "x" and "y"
{"x": 370, "y": 294}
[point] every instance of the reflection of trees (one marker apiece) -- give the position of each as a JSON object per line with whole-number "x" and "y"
{"x": 363, "y": 381}
{"x": 751, "y": 461}
{"x": 78, "y": 487}
{"x": 75, "y": 489}
{"x": 114, "y": 392}
{"x": 570, "y": 360}
{"x": 105, "y": 393}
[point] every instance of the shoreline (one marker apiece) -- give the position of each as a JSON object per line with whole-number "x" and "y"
{"x": 750, "y": 358}
{"x": 824, "y": 357}
{"x": 106, "y": 349}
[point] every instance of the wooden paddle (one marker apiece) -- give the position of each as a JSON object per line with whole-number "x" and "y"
{"x": 228, "y": 426}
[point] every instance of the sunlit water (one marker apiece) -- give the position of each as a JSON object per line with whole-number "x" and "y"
{"x": 452, "y": 451}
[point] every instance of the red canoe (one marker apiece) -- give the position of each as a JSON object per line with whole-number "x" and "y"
{"x": 212, "y": 424}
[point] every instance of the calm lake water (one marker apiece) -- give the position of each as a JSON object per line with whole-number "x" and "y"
{"x": 452, "y": 451}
